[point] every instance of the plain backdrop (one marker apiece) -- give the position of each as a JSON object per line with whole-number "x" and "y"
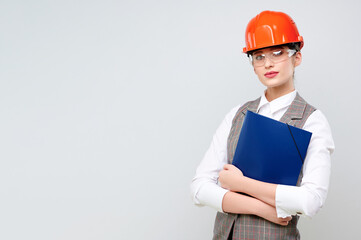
{"x": 107, "y": 107}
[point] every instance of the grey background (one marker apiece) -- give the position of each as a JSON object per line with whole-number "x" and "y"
{"x": 107, "y": 107}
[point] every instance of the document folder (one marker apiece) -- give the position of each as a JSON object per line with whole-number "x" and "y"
{"x": 270, "y": 151}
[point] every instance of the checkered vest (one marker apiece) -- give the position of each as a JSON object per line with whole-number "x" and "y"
{"x": 249, "y": 227}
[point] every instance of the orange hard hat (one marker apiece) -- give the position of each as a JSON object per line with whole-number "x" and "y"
{"x": 271, "y": 28}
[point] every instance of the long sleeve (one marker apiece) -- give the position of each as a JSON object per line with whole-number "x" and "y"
{"x": 310, "y": 196}
{"x": 204, "y": 187}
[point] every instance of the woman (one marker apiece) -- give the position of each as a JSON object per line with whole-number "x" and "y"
{"x": 266, "y": 211}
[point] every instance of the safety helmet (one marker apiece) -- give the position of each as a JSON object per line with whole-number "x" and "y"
{"x": 271, "y": 28}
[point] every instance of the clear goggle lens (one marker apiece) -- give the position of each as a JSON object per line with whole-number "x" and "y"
{"x": 276, "y": 56}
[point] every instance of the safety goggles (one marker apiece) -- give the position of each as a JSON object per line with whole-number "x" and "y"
{"x": 276, "y": 56}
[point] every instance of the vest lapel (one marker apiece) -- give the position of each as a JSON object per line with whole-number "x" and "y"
{"x": 252, "y": 106}
{"x": 295, "y": 111}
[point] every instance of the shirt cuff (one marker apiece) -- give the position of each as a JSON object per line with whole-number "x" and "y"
{"x": 291, "y": 200}
{"x": 283, "y": 199}
{"x": 211, "y": 194}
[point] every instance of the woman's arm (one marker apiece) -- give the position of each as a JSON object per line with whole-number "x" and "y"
{"x": 309, "y": 197}
{"x": 241, "y": 204}
{"x": 232, "y": 178}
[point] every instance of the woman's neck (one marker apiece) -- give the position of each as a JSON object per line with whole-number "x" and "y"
{"x": 275, "y": 92}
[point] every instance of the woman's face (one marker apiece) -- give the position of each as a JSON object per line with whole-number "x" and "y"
{"x": 277, "y": 69}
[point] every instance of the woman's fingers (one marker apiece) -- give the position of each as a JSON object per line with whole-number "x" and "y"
{"x": 285, "y": 221}
{"x": 227, "y": 166}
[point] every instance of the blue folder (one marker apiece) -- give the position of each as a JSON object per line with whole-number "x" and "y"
{"x": 270, "y": 151}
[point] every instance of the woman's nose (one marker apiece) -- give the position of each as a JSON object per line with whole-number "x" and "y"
{"x": 268, "y": 62}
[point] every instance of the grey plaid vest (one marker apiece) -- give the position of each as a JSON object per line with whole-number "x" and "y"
{"x": 250, "y": 226}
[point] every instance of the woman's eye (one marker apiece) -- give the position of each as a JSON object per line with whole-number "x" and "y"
{"x": 277, "y": 53}
{"x": 259, "y": 57}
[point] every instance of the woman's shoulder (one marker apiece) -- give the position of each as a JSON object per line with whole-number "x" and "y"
{"x": 240, "y": 107}
{"x": 320, "y": 128}
{"x": 318, "y": 116}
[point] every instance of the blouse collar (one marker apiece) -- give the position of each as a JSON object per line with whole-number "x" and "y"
{"x": 278, "y": 103}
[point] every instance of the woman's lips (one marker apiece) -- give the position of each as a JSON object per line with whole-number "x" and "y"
{"x": 271, "y": 74}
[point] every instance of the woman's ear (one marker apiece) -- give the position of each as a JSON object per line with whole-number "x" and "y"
{"x": 298, "y": 58}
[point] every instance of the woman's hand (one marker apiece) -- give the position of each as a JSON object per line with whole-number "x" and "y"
{"x": 269, "y": 213}
{"x": 231, "y": 178}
